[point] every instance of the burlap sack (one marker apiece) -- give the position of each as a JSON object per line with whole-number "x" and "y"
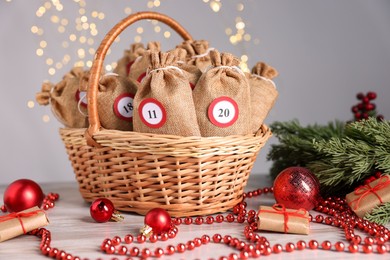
{"x": 198, "y": 53}
{"x": 163, "y": 102}
{"x": 192, "y": 72}
{"x": 141, "y": 63}
{"x": 115, "y": 102}
{"x": 124, "y": 64}
{"x": 263, "y": 92}
{"x": 64, "y": 98}
{"x": 222, "y": 98}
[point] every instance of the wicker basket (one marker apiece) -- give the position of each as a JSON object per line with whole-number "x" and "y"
{"x": 187, "y": 176}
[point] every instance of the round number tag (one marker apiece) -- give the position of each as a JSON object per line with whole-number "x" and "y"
{"x": 223, "y": 112}
{"x": 128, "y": 67}
{"x": 141, "y": 77}
{"x": 152, "y": 113}
{"x": 82, "y": 95}
{"x": 123, "y": 106}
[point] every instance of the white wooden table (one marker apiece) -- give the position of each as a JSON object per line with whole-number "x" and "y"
{"x": 74, "y": 231}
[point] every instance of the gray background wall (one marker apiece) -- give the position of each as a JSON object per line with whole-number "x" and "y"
{"x": 325, "y": 52}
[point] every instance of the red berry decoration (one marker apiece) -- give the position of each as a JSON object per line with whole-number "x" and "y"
{"x": 365, "y": 108}
{"x": 360, "y": 96}
{"x": 371, "y": 95}
{"x": 157, "y": 221}
{"x": 22, "y": 194}
{"x": 297, "y": 187}
{"x": 102, "y": 210}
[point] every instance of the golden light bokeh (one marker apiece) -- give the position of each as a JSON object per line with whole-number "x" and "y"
{"x": 77, "y": 35}
{"x": 87, "y": 20}
{"x": 30, "y": 104}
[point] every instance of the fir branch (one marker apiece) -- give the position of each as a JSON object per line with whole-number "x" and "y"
{"x": 344, "y": 163}
{"x": 352, "y": 157}
{"x": 380, "y": 214}
{"x": 296, "y": 143}
{"x": 341, "y": 157}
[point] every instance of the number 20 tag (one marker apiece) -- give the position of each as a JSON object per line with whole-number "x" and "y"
{"x": 123, "y": 106}
{"x": 152, "y": 113}
{"x": 223, "y": 112}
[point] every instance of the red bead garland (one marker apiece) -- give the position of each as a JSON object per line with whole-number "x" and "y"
{"x": 338, "y": 214}
{"x": 48, "y": 202}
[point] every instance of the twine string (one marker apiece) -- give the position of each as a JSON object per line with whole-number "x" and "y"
{"x": 281, "y": 209}
{"x": 367, "y": 189}
{"x": 165, "y": 68}
{"x": 203, "y": 54}
{"x": 266, "y": 79}
{"x": 19, "y": 216}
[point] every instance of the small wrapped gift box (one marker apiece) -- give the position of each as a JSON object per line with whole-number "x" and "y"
{"x": 278, "y": 218}
{"x": 15, "y": 224}
{"x": 366, "y": 197}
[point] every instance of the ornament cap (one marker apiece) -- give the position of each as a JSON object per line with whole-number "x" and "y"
{"x": 116, "y": 216}
{"x": 146, "y": 230}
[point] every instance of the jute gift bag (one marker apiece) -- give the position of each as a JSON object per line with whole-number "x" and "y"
{"x": 124, "y": 64}
{"x": 67, "y": 102}
{"x": 192, "y": 72}
{"x": 263, "y": 92}
{"x": 221, "y": 98}
{"x": 115, "y": 102}
{"x": 163, "y": 102}
{"x": 140, "y": 65}
{"x": 198, "y": 53}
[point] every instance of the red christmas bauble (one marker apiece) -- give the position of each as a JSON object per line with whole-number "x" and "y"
{"x": 102, "y": 210}
{"x": 297, "y": 187}
{"x": 22, "y": 194}
{"x": 159, "y": 220}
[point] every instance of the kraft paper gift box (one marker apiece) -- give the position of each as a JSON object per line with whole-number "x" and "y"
{"x": 278, "y": 218}
{"x": 365, "y": 198}
{"x": 19, "y": 223}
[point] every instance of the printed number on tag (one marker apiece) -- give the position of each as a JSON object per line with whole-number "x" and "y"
{"x": 152, "y": 113}
{"x": 81, "y": 96}
{"x": 123, "y": 106}
{"x": 223, "y": 112}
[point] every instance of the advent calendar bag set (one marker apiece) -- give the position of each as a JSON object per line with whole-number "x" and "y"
{"x": 177, "y": 131}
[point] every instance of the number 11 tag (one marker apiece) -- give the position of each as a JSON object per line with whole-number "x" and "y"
{"x": 152, "y": 113}
{"x": 223, "y": 111}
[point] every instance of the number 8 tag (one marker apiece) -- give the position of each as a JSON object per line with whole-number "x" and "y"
{"x": 152, "y": 113}
{"x": 123, "y": 106}
{"x": 223, "y": 112}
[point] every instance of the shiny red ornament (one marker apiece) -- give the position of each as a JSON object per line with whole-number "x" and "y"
{"x": 103, "y": 210}
{"x": 22, "y": 194}
{"x": 297, "y": 187}
{"x": 157, "y": 221}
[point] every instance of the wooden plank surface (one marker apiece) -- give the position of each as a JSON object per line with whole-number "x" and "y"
{"x": 74, "y": 231}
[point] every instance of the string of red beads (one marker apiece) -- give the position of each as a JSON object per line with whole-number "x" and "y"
{"x": 47, "y": 203}
{"x": 332, "y": 211}
{"x": 339, "y": 215}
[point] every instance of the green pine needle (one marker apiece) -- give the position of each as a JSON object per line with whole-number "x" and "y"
{"x": 380, "y": 214}
{"x": 340, "y": 155}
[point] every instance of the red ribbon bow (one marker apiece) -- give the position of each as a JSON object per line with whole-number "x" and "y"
{"x": 281, "y": 209}
{"x": 19, "y": 216}
{"x": 365, "y": 190}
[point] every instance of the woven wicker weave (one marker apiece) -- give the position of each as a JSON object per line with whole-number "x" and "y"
{"x": 187, "y": 176}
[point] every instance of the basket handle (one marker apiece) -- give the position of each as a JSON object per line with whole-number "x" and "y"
{"x": 93, "y": 117}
